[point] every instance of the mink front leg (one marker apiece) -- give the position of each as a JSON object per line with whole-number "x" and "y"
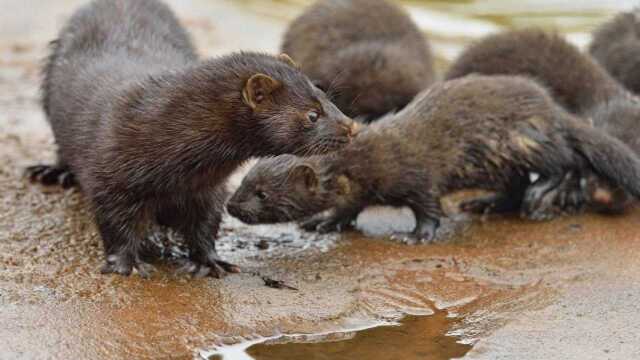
{"x": 428, "y": 213}
{"x": 337, "y": 219}
{"x": 199, "y": 225}
{"x": 119, "y": 225}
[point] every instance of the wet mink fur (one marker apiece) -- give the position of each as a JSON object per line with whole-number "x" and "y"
{"x": 476, "y": 132}
{"x": 578, "y": 83}
{"x": 151, "y": 133}
{"x": 368, "y": 54}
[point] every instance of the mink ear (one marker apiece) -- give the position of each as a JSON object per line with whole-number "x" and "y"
{"x": 287, "y": 59}
{"x": 258, "y": 88}
{"x": 307, "y": 175}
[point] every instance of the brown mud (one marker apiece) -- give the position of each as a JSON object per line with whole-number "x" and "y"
{"x": 561, "y": 289}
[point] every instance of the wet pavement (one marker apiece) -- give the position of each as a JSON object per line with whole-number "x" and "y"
{"x": 496, "y": 288}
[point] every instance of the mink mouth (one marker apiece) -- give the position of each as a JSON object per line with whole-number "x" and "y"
{"x": 238, "y": 212}
{"x": 333, "y": 143}
{"x": 323, "y": 146}
{"x": 250, "y": 218}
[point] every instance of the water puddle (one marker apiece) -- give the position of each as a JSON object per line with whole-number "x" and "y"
{"x": 412, "y": 337}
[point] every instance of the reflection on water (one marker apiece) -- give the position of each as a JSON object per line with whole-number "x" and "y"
{"x": 413, "y": 337}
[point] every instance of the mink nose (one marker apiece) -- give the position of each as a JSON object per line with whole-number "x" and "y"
{"x": 234, "y": 210}
{"x": 349, "y": 127}
{"x": 239, "y": 212}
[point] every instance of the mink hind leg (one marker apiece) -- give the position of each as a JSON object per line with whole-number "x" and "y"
{"x": 199, "y": 225}
{"x": 427, "y": 211}
{"x": 337, "y": 219}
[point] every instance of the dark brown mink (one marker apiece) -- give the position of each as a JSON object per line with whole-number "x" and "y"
{"x": 151, "y": 133}
{"x": 616, "y": 46}
{"x": 578, "y": 83}
{"x": 476, "y": 132}
{"x": 574, "y": 79}
{"x": 368, "y": 54}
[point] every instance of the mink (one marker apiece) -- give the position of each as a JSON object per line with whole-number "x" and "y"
{"x": 476, "y": 132}
{"x": 368, "y": 54}
{"x": 579, "y": 84}
{"x": 616, "y": 46}
{"x": 150, "y": 132}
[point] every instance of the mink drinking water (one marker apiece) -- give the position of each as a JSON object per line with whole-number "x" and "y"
{"x": 368, "y": 54}
{"x": 150, "y": 132}
{"x": 477, "y": 132}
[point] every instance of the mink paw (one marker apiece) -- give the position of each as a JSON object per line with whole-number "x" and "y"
{"x": 324, "y": 224}
{"x": 51, "y": 175}
{"x": 213, "y": 266}
{"x": 123, "y": 265}
{"x": 539, "y": 198}
{"x": 547, "y": 199}
{"x": 410, "y": 238}
{"x": 424, "y": 233}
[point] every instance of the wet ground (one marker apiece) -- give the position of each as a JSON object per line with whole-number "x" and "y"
{"x": 499, "y": 288}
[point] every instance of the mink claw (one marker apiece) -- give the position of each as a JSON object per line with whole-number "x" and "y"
{"x": 198, "y": 270}
{"x": 425, "y": 231}
{"x": 215, "y": 267}
{"x": 325, "y": 224}
{"x": 406, "y": 238}
{"x": 311, "y": 223}
{"x": 51, "y": 175}
{"x": 118, "y": 264}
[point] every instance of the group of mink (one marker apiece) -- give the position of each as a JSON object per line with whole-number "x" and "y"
{"x": 150, "y": 132}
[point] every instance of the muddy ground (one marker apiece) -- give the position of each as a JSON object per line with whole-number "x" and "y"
{"x": 499, "y": 288}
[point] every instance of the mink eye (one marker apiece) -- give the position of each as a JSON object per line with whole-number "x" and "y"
{"x": 313, "y": 116}
{"x": 261, "y": 195}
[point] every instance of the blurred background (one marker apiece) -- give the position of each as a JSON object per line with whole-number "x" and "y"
{"x": 224, "y": 25}
{"x": 221, "y": 26}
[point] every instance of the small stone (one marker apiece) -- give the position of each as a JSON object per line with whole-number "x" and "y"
{"x": 262, "y": 244}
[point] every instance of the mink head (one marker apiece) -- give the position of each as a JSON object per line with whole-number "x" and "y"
{"x": 280, "y": 189}
{"x": 291, "y": 114}
{"x": 369, "y": 80}
{"x": 622, "y": 61}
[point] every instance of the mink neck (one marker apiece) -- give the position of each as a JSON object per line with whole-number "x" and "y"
{"x": 356, "y": 161}
{"x": 191, "y": 121}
